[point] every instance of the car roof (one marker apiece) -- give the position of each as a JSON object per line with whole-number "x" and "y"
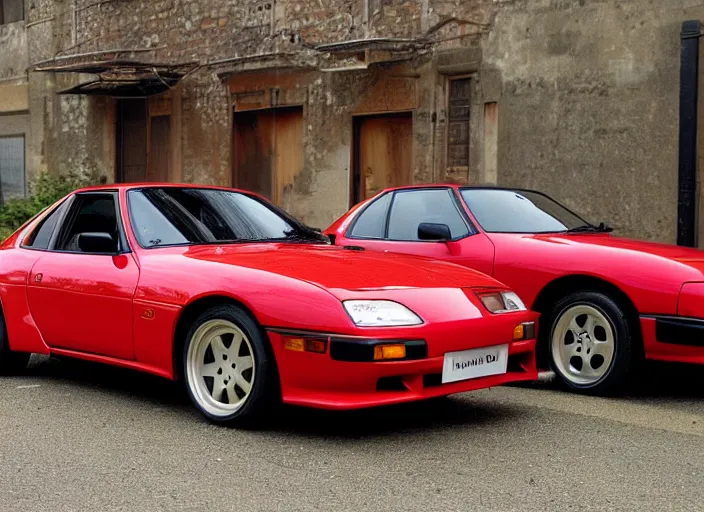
{"x": 130, "y": 186}
{"x": 456, "y": 186}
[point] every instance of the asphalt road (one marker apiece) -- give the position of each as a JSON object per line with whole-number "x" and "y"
{"x": 84, "y": 437}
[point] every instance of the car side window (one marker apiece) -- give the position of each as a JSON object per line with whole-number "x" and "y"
{"x": 40, "y": 237}
{"x": 410, "y": 208}
{"x": 371, "y": 223}
{"x": 90, "y": 213}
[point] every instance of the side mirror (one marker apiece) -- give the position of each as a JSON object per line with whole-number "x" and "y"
{"x": 435, "y": 232}
{"x": 96, "y": 242}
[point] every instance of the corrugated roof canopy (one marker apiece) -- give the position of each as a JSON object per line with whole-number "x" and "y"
{"x": 122, "y": 78}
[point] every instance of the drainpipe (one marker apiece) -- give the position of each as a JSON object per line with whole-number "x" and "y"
{"x": 689, "y": 73}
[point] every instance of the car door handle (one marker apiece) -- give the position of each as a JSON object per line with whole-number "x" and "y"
{"x": 38, "y": 278}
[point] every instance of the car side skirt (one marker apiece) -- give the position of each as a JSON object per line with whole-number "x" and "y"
{"x": 673, "y": 338}
{"x": 97, "y": 358}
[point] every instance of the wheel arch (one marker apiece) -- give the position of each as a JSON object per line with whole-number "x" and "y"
{"x": 190, "y": 312}
{"x": 562, "y": 286}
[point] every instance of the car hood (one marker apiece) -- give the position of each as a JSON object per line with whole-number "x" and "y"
{"x": 673, "y": 252}
{"x": 338, "y": 268}
{"x": 690, "y": 260}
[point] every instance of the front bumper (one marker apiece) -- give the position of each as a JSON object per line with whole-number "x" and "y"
{"x": 318, "y": 380}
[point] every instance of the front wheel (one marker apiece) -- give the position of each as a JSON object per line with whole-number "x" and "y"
{"x": 590, "y": 343}
{"x": 228, "y": 367}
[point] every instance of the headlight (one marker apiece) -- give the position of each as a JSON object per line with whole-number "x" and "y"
{"x": 501, "y": 302}
{"x": 380, "y": 313}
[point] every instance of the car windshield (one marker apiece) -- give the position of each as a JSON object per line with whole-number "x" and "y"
{"x": 182, "y": 216}
{"x": 518, "y": 211}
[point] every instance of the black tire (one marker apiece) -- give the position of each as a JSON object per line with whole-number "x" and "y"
{"x": 622, "y": 365}
{"x": 265, "y": 392}
{"x": 11, "y": 363}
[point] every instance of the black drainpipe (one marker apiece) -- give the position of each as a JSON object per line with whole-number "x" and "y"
{"x": 689, "y": 86}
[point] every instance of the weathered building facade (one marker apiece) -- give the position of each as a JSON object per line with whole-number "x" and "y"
{"x": 320, "y": 103}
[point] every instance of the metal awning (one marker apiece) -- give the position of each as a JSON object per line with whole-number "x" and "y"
{"x": 387, "y": 44}
{"x": 121, "y": 78}
{"x": 361, "y": 53}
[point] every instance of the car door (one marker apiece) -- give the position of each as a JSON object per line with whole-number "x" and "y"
{"x": 82, "y": 301}
{"x": 390, "y": 224}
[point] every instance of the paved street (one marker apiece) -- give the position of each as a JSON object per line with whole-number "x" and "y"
{"x": 78, "y": 436}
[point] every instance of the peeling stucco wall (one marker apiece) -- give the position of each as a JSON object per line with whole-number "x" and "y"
{"x": 589, "y": 106}
{"x": 13, "y": 42}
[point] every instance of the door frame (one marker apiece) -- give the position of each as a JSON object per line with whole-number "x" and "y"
{"x": 355, "y": 174}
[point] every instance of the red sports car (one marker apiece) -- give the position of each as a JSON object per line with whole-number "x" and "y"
{"x": 604, "y": 301}
{"x": 248, "y": 306}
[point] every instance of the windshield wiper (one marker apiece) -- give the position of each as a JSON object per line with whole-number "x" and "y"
{"x": 589, "y": 228}
{"x": 305, "y": 235}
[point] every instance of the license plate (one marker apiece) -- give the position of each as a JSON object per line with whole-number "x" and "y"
{"x": 474, "y": 363}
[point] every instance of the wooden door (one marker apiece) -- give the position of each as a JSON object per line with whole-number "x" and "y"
{"x": 384, "y": 153}
{"x": 268, "y": 151}
{"x": 132, "y": 140}
{"x": 288, "y": 153}
{"x": 159, "y": 148}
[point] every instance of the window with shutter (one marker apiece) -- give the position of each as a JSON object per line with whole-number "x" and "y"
{"x": 458, "y": 124}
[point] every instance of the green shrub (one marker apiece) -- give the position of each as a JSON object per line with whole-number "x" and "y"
{"x": 44, "y": 191}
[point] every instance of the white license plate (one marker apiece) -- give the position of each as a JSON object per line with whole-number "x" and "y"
{"x": 474, "y": 363}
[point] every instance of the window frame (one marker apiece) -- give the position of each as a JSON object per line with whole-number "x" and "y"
{"x": 385, "y": 220}
{"x": 295, "y": 223}
{"x": 45, "y": 214}
{"x": 448, "y": 103}
{"x": 456, "y": 201}
{"x": 2, "y": 13}
{"x": 61, "y": 224}
{"x": 22, "y": 136}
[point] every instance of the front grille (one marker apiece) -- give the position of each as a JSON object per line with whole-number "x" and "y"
{"x": 391, "y": 384}
{"x": 432, "y": 380}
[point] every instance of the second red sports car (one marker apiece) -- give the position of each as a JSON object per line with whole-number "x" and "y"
{"x": 248, "y": 306}
{"x": 605, "y": 301}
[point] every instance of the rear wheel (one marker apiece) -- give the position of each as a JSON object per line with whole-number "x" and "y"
{"x": 11, "y": 363}
{"x": 590, "y": 343}
{"x": 228, "y": 367}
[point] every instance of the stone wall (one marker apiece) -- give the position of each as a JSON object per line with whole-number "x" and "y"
{"x": 583, "y": 96}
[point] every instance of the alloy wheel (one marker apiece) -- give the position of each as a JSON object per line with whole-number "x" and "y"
{"x": 220, "y": 367}
{"x": 583, "y": 344}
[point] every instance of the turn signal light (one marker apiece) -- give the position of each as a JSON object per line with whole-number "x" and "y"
{"x": 383, "y": 352}
{"x": 305, "y": 345}
{"x": 518, "y": 332}
{"x": 295, "y": 344}
{"x": 524, "y": 331}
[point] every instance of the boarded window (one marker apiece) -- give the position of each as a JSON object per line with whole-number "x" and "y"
{"x": 458, "y": 124}
{"x": 12, "y": 177}
{"x": 11, "y": 11}
{"x": 268, "y": 151}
